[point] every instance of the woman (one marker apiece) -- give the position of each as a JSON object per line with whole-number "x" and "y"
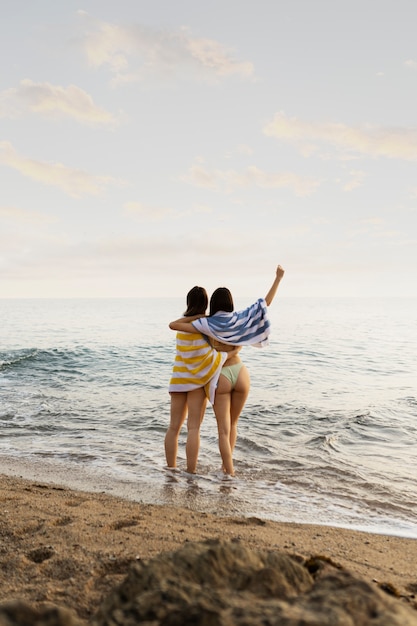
{"x": 227, "y": 327}
{"x": 195, "y": 373}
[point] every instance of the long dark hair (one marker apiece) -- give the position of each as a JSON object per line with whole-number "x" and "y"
{"x": 197, "y": 301}
{"x": 221, "y": 300}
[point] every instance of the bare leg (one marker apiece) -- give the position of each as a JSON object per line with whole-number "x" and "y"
{"x": 178, "y": 415}
{"x": 222, "y": 404}
{"x": 196, "y": 401}
{"x": 239, "y": 397}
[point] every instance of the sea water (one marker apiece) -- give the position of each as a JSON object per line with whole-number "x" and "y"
{"x": 328, "y": 434}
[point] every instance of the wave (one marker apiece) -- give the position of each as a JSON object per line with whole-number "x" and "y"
{"x": 17, "y": 358}
{"x": 74, "y": 359}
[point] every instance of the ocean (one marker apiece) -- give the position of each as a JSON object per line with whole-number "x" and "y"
{"x": 328, "y": 435}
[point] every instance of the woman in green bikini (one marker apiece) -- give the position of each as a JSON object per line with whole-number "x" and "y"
{"x": 232, "y": 388}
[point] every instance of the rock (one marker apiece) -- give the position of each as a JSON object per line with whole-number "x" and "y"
{"x": 220, "y": 583}
{"x": 21, "y": 614}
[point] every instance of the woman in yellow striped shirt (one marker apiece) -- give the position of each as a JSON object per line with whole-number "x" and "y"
{"x": 194, "y": 378}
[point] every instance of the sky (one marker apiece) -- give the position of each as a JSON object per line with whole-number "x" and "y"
{"x": 150, "y": 146}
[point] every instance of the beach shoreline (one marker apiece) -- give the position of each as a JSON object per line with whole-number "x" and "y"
{"x": 208, "y": 493}
{"x": 71, "y": 547}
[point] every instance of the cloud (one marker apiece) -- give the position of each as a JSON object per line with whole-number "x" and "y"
{"x": 411, "y": 63}
{"x": 244, "y": 149}
{"x": 374, "y": 231}
{"x": 133, "y": 52}
{"x": 62, "y": 255}
{"x": 241, "y": 150}
{"x": 212, "y": 55}
{"x": 153, "y": 213}
{"x": 159, "y": 214}
{"x": 74, "y": 182}
{"x": 355, "y": 181}
{"x": 53, "y": 100}
{"x": 372, "y": 221}
{"x": 21, "y": 215}
{"x": 229, "y": 180}
{"x": 395, "y": 143}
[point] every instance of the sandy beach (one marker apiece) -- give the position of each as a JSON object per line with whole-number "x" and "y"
{"x": 70, "y": 547}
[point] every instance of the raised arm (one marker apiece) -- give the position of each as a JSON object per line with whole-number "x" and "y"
{"x": 274, "y": 287}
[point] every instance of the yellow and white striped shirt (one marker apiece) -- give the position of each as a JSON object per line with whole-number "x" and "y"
{"x": 196, "y": 365}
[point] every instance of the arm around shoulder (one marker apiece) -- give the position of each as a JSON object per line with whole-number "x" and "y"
{"x": 183, "y": 325}
{"x": 183, "y": 322}
{"x": 274, "y": 287}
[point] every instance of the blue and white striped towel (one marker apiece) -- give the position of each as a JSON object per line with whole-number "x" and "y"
{"x": 249, "y": 327}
